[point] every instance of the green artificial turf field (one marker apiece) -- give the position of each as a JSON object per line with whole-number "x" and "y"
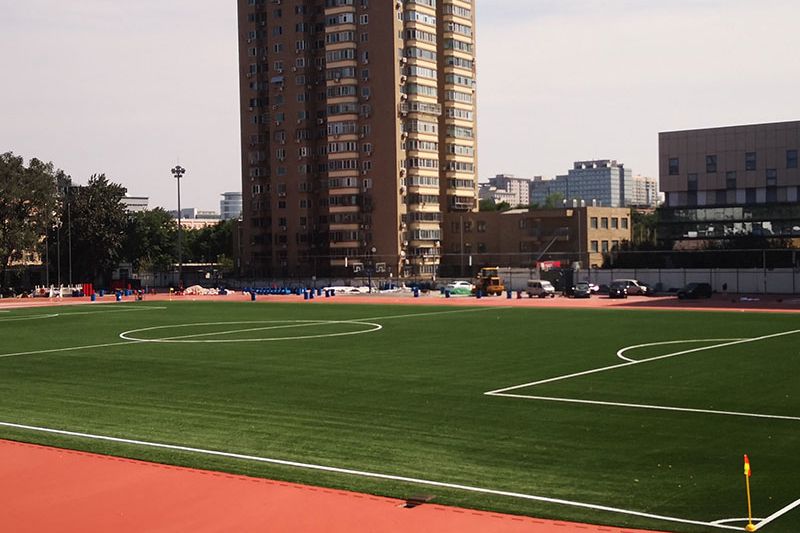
{"x": 401, "y": 391}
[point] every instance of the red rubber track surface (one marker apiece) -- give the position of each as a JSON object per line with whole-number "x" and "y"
{"x": 49, "y": 489}
{"x": 754, "y": 303}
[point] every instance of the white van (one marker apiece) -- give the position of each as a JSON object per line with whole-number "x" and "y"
{"x": 541, "y": 288}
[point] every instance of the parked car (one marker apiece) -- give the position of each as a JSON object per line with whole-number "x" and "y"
{"x": 694, "y": 291}
{"x": 540, "y": 288}
{"x": 459, "y": 287}
{"x": 618, "y": 289}
{"x": 632, "y": 286}
{"x": 594, "y": 288}
{"x": 582, "y": 290}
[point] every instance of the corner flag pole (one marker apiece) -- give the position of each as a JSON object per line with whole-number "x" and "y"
{"x": 747, "y": 474}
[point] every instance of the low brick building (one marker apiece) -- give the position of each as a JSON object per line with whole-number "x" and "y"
{"x": 517, "y": 238}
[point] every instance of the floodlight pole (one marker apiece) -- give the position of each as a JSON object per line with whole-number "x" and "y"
{"x": 178, "y": 173}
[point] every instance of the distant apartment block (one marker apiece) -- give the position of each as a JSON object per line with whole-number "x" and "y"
{"x": 193, "y": 218}
{"x": 230, "y": 207}
{"x": 645, "y": 192}
{"x": 135, "y": 204}
{"x": 603, "y": 182}
{"x": 721, "y": 183}
{"x": 507, "y": 188}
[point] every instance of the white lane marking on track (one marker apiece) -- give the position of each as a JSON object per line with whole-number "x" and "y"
{"x": 127, "y": 335}
{"x": 639, "y": 362}
{"x": 663, "y": 343}
{"x": 373, "y": 475}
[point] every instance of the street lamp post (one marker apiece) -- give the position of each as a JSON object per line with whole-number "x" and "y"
{"x": 178, "y": 173}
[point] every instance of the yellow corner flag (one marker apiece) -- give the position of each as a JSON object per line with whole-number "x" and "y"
{"x": 747, "y": 474}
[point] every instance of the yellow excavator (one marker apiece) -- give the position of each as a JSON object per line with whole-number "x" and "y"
{"x": 489, "y": 282}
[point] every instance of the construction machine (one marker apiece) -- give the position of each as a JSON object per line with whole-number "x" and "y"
{"x": 489, "y": 282}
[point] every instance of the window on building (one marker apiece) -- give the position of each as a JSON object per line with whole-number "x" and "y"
{"x": 711, "y": 164}
{"x": 772, "y": 177}
{"x": 604, "y": 245}
{"x": 721, "y": 197}
{"x": 481, "y": 226}
{"x": 624, "y": 223}
{"x": 750, "y": 161}
{"x": 604, "y": 223}
{"x": 615, "y": 223}
{"x": 481, "y": 247}
{"x": 791, "y": 158}
{"x": 593, "y": 222}
{"x": 467, "y": 226}
{"x": 691, "y": 182}
{"x": 593, "y": 246}
{"x": 750, "y": 195}
{"x": 730, "y": 179}
{"x": 615, "y": 245}
{"x": 674, "y": 166}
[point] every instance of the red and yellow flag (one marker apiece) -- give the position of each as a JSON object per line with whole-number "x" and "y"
{"x": 747, "y": 471}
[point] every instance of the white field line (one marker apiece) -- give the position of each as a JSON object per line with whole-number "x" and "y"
{"x": 29, "y": 317}
{"x": 54, "y": 315}
{"x": 69, "y": 349}
{"x": 373, "y": 475}
{"x": 106, "y": 345}
{"x": 120, "y": 310}
{"x": 663, "y": 343}
{"x": 733, "y": 520}
{"x": 646, "y": 406}
{"x": 639, "y": 362}
{"x": 778, "y": 514}
{"x": 305, "y": 323}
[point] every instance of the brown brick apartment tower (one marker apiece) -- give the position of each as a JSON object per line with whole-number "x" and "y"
{"x": 358, "y": 133}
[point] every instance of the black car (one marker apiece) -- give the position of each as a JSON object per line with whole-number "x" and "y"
{"x": 694, "y": 291}
{"x": 581, "y": 290}
{"x": 617, "y": 290}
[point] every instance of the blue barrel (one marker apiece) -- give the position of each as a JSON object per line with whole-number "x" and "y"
{"x": 479, "y": 294}
{"x": 94, "y": 297}
{"x": 305, "y": 295}
{"x": 119, "y": 296}
{"x": 447, "y": 293}
{"x": 253, "y": 296}
{"x": 311, "y": 294}
{"x": 508, "y": 296}
{"x": 416, "y": 292}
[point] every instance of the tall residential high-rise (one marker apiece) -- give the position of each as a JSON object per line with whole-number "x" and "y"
{"x": 358, "y": 132}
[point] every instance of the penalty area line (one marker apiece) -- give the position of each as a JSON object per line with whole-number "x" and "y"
{"x": 640, "y": 361}
{"x": 366, "y": 474}
{"x": 643, "y": 406}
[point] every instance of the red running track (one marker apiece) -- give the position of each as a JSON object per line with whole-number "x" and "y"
{"x": 45, "y": 489}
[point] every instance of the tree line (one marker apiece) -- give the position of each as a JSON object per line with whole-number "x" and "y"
{"x": 84, "y": 232}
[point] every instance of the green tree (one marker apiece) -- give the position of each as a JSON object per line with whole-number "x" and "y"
{"x": 98, "y": 229}
{"x": 150, "y": 240}
{"x": 206, "y": 245}
{"x": 490, "y": 205}
{"x": 27, "y": 205}
{"x": 555, "y": 199}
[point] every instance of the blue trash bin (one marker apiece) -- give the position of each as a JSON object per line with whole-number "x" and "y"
{"x": 94, "y": 297}
{"x": 447, "y": 293}
{"x": 253, "y": 296}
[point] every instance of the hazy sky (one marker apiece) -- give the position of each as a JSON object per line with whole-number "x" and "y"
{"x": 127, "y": 88}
